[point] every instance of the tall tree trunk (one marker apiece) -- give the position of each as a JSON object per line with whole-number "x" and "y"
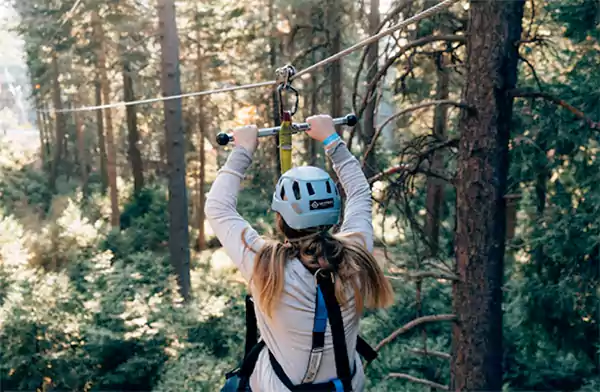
{"x": 47, "y": 132}
{"x": 274, "y": 95}
{"x": 201, "y": 243}
{"x": 111, "y": 152}
{"x": 59, "y": 123}
{"x": 494, "y": 29}
{"x": 135, "y": 157}
{"x": 314, "y": 108}
{"x": 336, "y": 81}
{"x": 178, "y": 203}
{"x": 333, "y": 23}
{"x": 101, "y": 141}
{"x": 41, "y": 129}
{"x": 435, "y": 186}
{"x": 368, "y": 129}
{"x": 81, "y": 154}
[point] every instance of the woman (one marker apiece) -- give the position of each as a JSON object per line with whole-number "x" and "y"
{"x": 281, "y": 275}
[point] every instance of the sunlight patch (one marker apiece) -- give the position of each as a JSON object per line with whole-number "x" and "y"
{"x": 220, "y": 260}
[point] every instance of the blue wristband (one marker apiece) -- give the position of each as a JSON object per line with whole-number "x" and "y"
{"x": 331, "y": 138}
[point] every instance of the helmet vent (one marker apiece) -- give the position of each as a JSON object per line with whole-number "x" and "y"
{"x": 296, "y": 189}
{"x": 310, "y": 189}
{"x": 282, "y": 194}
{"x": 328, "y": 187}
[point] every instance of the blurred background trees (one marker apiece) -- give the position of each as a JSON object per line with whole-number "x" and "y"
{"x": 96, "y": 288}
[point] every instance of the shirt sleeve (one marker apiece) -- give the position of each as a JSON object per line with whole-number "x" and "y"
{"x": 221, "y": 213}
{"x": 358, "y": 218}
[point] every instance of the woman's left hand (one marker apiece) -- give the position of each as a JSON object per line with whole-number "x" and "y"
{"x": 247, "y": 137}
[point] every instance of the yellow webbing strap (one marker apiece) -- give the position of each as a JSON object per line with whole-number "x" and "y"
{"x": 285, "y": 142}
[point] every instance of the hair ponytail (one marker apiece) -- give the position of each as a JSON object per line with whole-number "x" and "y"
{"x": 353, "y": 266}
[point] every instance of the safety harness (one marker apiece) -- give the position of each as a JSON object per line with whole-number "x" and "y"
{"x": 327, "y": 308}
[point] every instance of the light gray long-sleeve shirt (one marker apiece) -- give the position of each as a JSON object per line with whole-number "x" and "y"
{"x": 288, "y": 334}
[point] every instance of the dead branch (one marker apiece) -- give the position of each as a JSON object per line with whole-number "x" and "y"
{"x": 412, "y": 324}
{"x": 388, "y": 172}
{"x": 420, "y": 275}
{"x": 437, "y": 354}
{"x": 390, "y": 15}
{"x": 418, "y": 380}
{"x": 409, "y": 110}
{"x": 520, "y": 93}
{"x": 411, "y": 45}
{"x": 308, "y": 51}
{"x": 533, "y": 71}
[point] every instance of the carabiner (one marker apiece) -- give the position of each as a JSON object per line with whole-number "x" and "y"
{"x": 284, "y": 77}
{"x": 280, "y": 89}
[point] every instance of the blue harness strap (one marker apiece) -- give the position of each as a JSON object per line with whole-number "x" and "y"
{"x": 318, "y": 339}
{"x": 327, "y": 309}
{"x": 339, "y": 387}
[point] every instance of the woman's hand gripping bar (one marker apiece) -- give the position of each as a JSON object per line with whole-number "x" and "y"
{"x": 224, "y": 138}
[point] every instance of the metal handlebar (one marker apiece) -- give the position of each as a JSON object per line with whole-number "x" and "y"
{"x": 224, "y": 138}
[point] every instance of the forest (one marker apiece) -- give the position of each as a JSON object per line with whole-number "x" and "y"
{"x": 478, "y": 130}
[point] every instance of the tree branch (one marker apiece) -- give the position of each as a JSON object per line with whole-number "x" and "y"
{"x": 411, "y": 45}
{"x": 420, "y": 275}
{"x": 408, "y": 110}
{"x": 388, "y": 172}
{"x": 361, "y": 63}
{"x": 533, "y": 71}
{"x": 418, "y": 380}
{"x": 308, "y": 51}
{"x": 520, "y": 93}
{"x": 437, "y": 354}
{"x": 412, "y": 324}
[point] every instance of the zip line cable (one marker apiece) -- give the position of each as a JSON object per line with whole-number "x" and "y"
{"x": 400, "y": 25}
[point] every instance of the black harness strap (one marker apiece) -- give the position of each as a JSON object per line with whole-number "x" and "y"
{"x": 251, "y": 326}
{"x": 365, "y": 350}
{"x": 338, "y": 334}
{"x": 326, "y": 297}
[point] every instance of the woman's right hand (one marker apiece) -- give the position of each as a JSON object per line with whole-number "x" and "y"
{"x": 246, "y": 137}
{"x": 321, "y": 127}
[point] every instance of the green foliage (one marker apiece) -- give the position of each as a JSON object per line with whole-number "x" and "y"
{"x": 144, "y": 225}
{"x": 21, "y": 184}
{"x": 111, "y": 323}
{"x": 85, "y": 308}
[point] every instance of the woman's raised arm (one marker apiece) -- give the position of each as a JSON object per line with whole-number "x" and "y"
{"x": 221, "y": 211}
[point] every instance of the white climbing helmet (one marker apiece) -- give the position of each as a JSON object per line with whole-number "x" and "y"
{"x": 305, "y": 197}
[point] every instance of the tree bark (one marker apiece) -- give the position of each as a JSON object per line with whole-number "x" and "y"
{"x": 46, "y": 132}
{"x": 334, "y": 25}
{"x": 274, "y": 95}
{"x": 336, "y": 81}
{"x": 175, "y": 140}
{"x": 201, "y": 243}
{"x": 81, "y": 153}
{"x": 135, "y": 157}
{"x": 59, "y": 123}
{"x": 492, "y": 56}
{"x": 435, "y": 186}
{"x": 368, "y": 130}
{"x": 101, "y": 141}
{"x": 41, "y": 128}
{"x": 109, "y": 139}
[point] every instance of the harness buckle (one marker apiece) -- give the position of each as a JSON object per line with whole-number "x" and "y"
{"x": 314, "y": 363}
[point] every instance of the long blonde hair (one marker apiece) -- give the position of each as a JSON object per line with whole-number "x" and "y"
{"x": 353, "y": 266}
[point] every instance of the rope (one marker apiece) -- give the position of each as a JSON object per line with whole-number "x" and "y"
{"x": 400, "y": 25}
{"x": 158, "y": 99}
